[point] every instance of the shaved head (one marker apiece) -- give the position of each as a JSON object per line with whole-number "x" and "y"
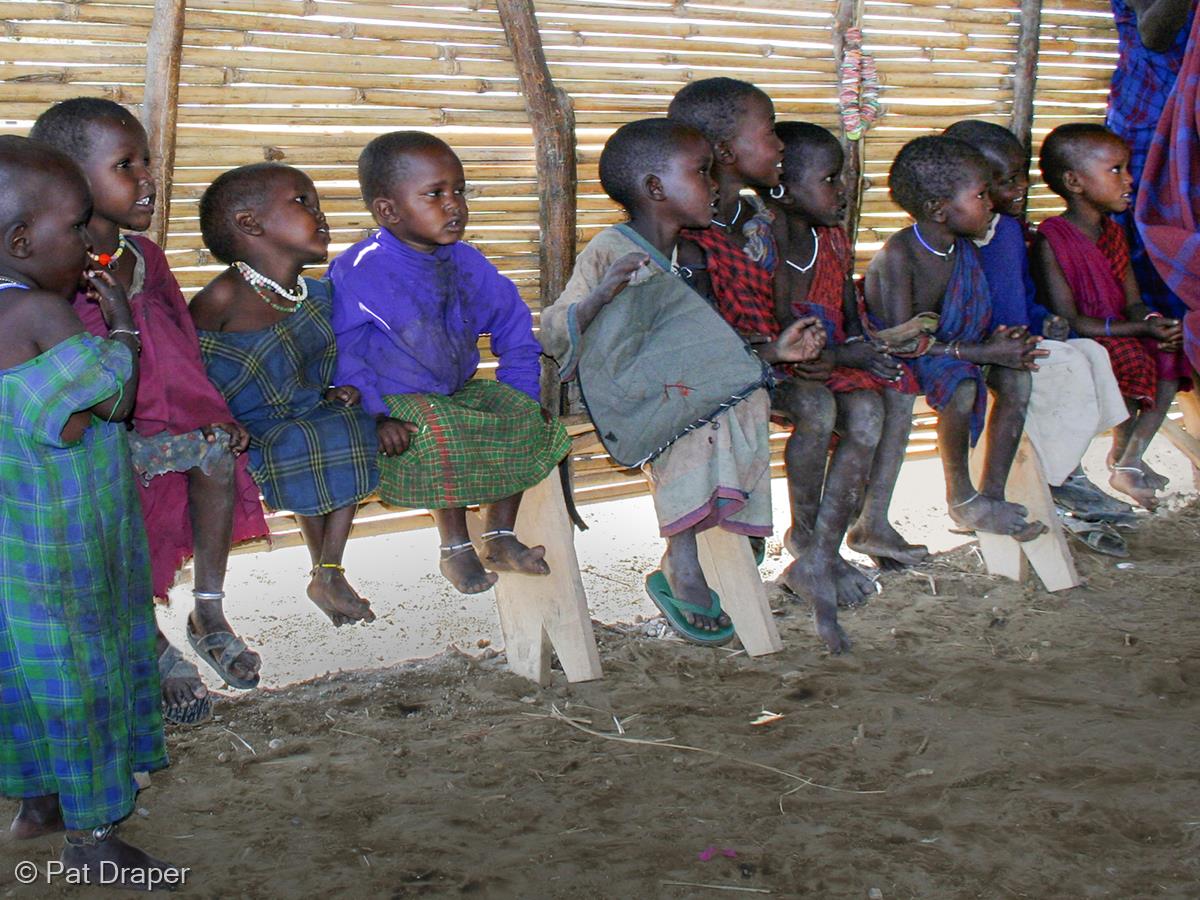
{"x": 25, "y": 167}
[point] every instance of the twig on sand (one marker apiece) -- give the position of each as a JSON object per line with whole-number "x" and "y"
{"x": 243, "y": 741}
{"x": 718, "y": 887}
{"x": 625, "y": 739}
{"x": 356, "y": 734}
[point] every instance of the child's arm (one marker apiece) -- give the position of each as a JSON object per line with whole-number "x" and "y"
{"x": 615, "y": 279}
{"x": 512, "y": 342}
{"x": 857, "y": 352}
{"x": 1168, "y": 332}
{"x": 114, "y": 306}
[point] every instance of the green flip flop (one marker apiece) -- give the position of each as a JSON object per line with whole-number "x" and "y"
{"x": 673, "y": 608}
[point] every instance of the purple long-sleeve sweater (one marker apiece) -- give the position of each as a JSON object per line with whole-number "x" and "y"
{"x": 409, "y": 322}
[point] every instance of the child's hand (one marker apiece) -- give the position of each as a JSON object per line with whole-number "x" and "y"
{"x": 818, "y": 369}
{"x": 802, "y": 341}
{"x": 239, "y": 437}
{"x": 1056, "y": 328}
{"x": 1168, "y": 333}
{"x": 394, "y": 435}
{"x": 870, "y": 356}
{"x": 1013, "y": 348}
{"x": 345, "y": 394}
{"x": 103, "y": 289}
{"x": 621, "y": 272}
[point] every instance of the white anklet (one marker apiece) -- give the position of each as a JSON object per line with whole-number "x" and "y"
{"x": 449, "y": 550}
{"x": 498, "y": 533}
{"x": 208, "y": 595}
{"x": 974, "y": 496}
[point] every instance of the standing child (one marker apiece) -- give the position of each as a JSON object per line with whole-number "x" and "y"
{"x": 932, "y": 266}
{"x": 874, "y": 392}
{"x": 79, "y": 695}
{"x": 197, "y": 495}
{"x": 653, "y": 353}
{"x": 1074, "y": 395}
{"x": 268, "y": 347}
{"x": 1082, "y": 264}
{"x": 409, "y": 306}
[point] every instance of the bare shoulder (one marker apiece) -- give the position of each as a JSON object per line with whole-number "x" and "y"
{"x": 33, "y": 321}
{"x": 212, "y": 307}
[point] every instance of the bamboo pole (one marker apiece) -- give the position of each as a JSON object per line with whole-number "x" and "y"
{"x": 553, "y": 122}
{"x": 849, "y": 15}
{"x": 1025, "y": 72}
{"x": 160, "y": 105}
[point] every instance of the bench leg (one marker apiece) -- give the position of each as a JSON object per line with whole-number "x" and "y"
{"x": 1189, "y": 405}
{"x": 539, "y": 612}
{"x": 1049, "y": 554}
{"x": 730, "y": 569}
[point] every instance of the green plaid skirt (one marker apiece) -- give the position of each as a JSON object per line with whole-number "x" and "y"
{"x": 482, "y": 444}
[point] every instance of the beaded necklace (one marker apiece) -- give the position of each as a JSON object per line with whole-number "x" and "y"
{"x": 943, "y": 254}
{"x": 736, "y": 215}
{"x": 263, "y": 286}
{"x": 816, "y": 249}
{"x": 109, "y": 260}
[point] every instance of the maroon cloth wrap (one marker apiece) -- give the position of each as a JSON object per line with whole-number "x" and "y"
{"x": 174, "y": 395}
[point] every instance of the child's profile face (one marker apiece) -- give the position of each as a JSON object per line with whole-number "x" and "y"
{"x": 117, "y": 167}
{"x": 1103, "y": 175}
{"x": 58, "y": 233}
{"x": 291, "y": 217}
{"x": 1009, "y": 180}
{"x": 687, "y": 184}
{"x": 427, "y": 205}
{"x": 758, "y": 150}
{"x": 968, "y": 213}
{"x": 817, "y": 194}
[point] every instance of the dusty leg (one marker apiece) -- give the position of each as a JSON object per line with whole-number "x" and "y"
{"x": 328, "y": 588}
{"x": 681, "y": 565}
{"x": 459, "y": 562}
{"x": 1129, "y": 474}
{"x": 810, "y": 408}
{"x": 210, "y": 506}
{"x": 504, "y": 552}
{"x": 968, "y": 508}
{"x": 37, "y": 816}
{"x": 872, "y": 534}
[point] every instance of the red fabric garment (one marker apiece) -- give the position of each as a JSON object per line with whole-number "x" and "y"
{"x": 1093, "y": 273}
{"x": 741, "y": 287}
{"x": 825, "y": 300}
{"x": 175, "y": 395}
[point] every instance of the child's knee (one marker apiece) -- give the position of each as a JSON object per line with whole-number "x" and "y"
{"x": 861, "y": 417}
{"x": 962, "y": 401}
{"x": 809, "y": 405}
{"x": 1015, "y": 385}
{"x": 222, "y": 470}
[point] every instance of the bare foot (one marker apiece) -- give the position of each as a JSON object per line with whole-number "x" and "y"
{"x": 1156, "y": 480}
{"x": 1132, "y": 481}
{"x": 37, "y": 816}
{"x": 830, "y": 630}
{"x": 853, "y": 588}
{"x": 982, "y": 513}
{"x": 691, "y": 587}
{"x": 506, "y": 554}
{"x": 334, "y": 596}
{"x": 132, "y": 868}
{"x": 462, "y": 568}
{"x": 184, "y": 694}
{"x": 207, "y": 618}
{"x": 887, "y": 544}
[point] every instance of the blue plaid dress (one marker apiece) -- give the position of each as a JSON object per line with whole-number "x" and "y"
{"x": 79, "y": 692}
{"x": 307, "y": 454}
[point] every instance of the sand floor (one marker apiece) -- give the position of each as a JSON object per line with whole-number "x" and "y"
{"x": 984, "y": 739}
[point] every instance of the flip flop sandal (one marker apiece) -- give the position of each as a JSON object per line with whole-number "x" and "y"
{"x": 230, "y": 647}
{"x": 171, "y": 664}
{"x": 758, "y": 546}
{"x": 660, "y": 593}
{"x": 1099, "y": 538}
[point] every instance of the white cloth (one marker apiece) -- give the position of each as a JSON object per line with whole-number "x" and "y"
{"x": 1074, "y": 398}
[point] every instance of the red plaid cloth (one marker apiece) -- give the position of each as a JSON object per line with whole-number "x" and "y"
{"x": 825, "y": 299}
{"x": 1094, "y": 273}
{"x": 741, "y": 287}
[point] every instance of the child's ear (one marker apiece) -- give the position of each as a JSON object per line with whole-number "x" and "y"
{"x": 16, "y": 240}
{"x": 935, "y": 210}
{"x": 246, "y": 222}
{"x": 384, "y": 211}
{"x": 652, "y": 186}
{"x": 1070, "y": 180}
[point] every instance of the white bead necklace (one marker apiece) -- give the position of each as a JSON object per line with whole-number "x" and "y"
{"x": 258, "y": 280}
{"x": 816, "y": 249}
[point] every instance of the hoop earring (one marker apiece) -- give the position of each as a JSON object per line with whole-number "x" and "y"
{"x": 778, "y": 192}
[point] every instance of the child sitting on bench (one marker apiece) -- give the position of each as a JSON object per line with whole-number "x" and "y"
{"x": 655, "y": 357}
{"x": 932, "y": 266}
{"x": 409, "y": 306}
{"x": 1081, "y": 260}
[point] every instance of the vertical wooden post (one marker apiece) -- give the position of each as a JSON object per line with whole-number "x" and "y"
{"x": 1025, "y": 73}
{"x": 848, "y": 14}
{"x": 552, "y": 119}
{"x": 160, "y": 104}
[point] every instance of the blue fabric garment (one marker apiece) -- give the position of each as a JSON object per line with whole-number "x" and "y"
{"x": 1006, "y": 264}
{"x": 965, "y": 316}
{"x": 409, "y": 322}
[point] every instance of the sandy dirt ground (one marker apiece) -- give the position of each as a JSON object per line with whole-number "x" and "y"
{"x": 984, "y": 739}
